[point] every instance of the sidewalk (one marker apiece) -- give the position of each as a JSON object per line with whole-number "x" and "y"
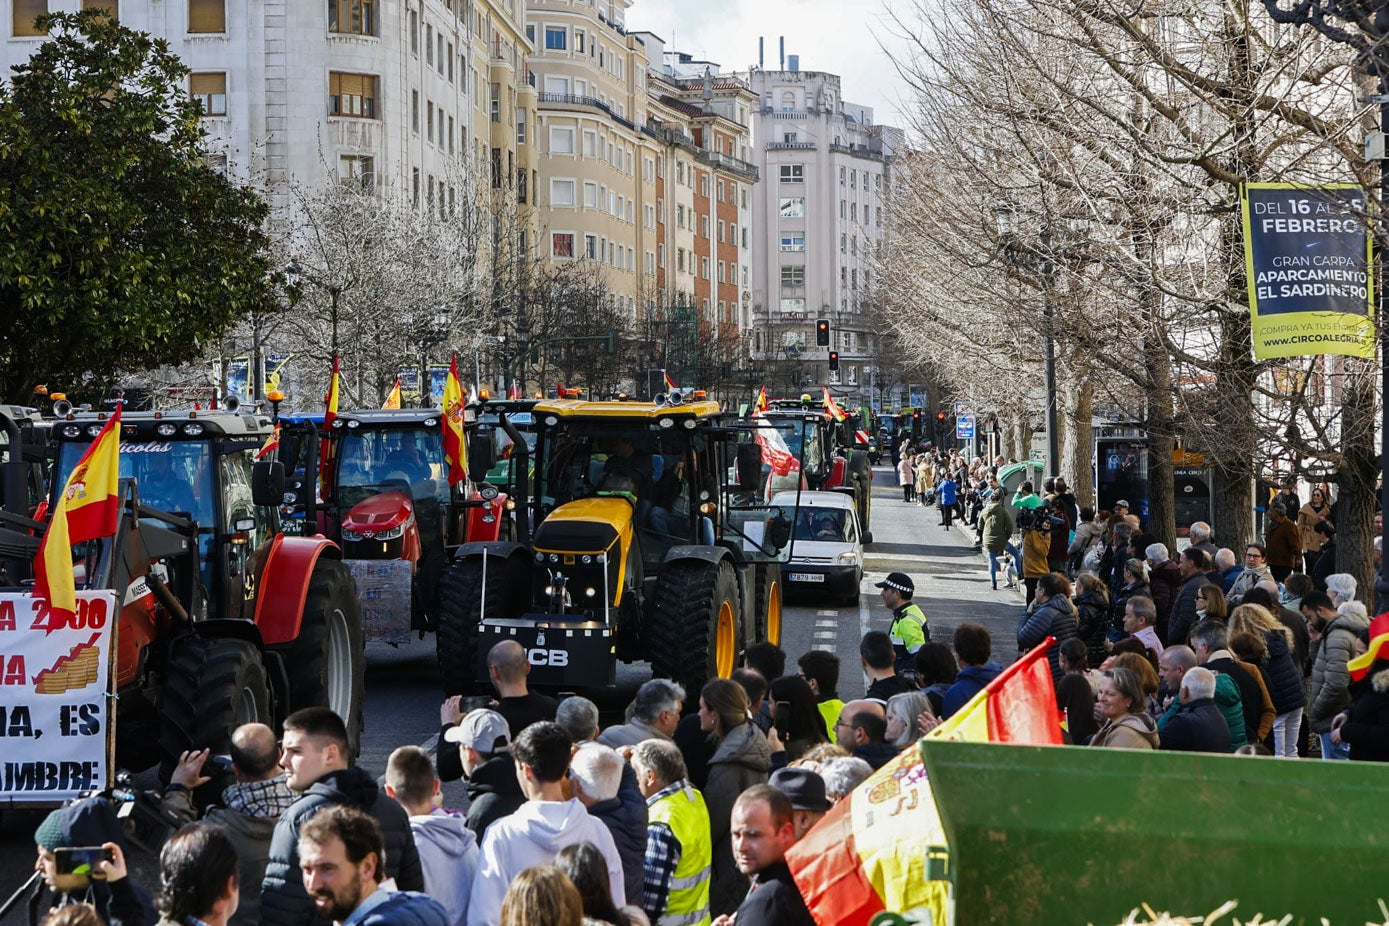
{"x": 951, "y": 577}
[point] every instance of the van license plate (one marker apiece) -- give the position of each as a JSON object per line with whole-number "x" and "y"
{"x": 805, "y": 577}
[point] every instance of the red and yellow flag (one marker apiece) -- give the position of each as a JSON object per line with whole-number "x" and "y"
{"x": 455, "y": 448}
{"x": 670, "y": 383}
{"x": 272, "y": 443}
{"x": 832, "y": 407}
{"x": 393, "y": 400}
{"x": 86, "y": 509}
{"x": 760, "y": 405}
{"x": 870, "y": 853}
{"x": 330, "y": 414}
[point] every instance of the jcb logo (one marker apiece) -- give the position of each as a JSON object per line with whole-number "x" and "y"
{"x": 557, "y": 658}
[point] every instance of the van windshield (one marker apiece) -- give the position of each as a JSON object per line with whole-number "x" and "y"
{"x": 823, "y": 524}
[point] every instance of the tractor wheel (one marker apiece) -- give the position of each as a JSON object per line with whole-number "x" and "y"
{"x": 327, "y": 661}
{"x": 460, "y": 607}
{"x": 767, "y": 603}
{"x": 694, "y": 623}
{"x": 212, "y": 685}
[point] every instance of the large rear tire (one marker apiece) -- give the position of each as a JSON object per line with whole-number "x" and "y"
{"x": 212, "y": 685}
{"x": 767, "y": 603}
{"x": 694, "y": 623}
{"x": 461, "y": 606}
{"x": 327, "y": 661}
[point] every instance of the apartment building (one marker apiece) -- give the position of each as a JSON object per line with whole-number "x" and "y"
{"x": 415, "y": 96}
{"x": 817, "y": 218}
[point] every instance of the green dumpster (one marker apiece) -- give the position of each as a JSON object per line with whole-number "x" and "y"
{"x": 1056, "y": 834}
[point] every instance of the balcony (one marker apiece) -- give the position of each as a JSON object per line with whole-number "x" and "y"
{"x": 728, "y": 162}
{"x": 791, "y": 146}
{"x": 857, "y": 151}
{"x": 588, "y": 102}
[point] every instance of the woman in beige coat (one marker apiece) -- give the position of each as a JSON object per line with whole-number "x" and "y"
{"x": 1121, "y": 703}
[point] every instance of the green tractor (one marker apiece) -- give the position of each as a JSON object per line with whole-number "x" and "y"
{"x": 650, "y": 542}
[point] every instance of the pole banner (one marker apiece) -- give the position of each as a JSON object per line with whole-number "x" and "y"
{"x": 1308, "y": 254}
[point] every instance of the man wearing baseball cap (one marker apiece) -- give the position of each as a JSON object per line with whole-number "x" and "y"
{"x": 484, "y": 747}
{"x": 908, "y": 631}
{"x": 806, "y": 792}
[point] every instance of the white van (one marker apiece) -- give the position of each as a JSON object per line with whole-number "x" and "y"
{"x": 828, "y": 555}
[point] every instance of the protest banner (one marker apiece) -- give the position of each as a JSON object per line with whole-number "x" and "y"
{"x": 55, "y": 676}
{"x": 1308, "y": 255}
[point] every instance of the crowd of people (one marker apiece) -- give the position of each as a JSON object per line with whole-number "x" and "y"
{"x": 671, "y": 817}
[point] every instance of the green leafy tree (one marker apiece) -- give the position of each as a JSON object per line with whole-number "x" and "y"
{"x": 120, "y": 250}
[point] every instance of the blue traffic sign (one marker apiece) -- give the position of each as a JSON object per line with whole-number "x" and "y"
{"x": 964, "y": 427}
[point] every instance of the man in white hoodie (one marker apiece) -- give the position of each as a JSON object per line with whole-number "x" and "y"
{"x": 448, "y": 849}
{"x": 546, "y": 823}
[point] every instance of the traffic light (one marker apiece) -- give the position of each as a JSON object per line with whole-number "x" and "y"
{"x": 822, "y": 333}
{"x": 834, "y": 360}
{"x": 916, "y": 424}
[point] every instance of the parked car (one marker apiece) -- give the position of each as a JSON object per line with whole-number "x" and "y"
{"x": 827, "y": 558}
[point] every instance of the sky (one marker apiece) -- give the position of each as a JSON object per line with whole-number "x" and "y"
{"x": 829, "y": 35}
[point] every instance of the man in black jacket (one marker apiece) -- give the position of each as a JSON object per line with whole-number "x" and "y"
{"x": 763, "y": 830}
{"x": 1193, "y": 565}
{"x": 483, "y": 756}
{"x": 1198, "y": 725}
{"x": 316, "y": 760}
{"x": 607, "y": 787}
{"x": 1209, "y": 640}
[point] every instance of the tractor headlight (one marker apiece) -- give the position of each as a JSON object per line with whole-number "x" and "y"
{"x": 540, "y": 557}
{"x": 192, "y": 429}
{"x": 165, "y": 430}
{"x": 392, "y": 533}
{"x": 666, "y": 422}
{"x": 602, "y": 557}
{"x": 554, "y": 557}
{"x": 71, "y": 431}
{"x": 590, "y": 592}
{"x": 351, "y": 536}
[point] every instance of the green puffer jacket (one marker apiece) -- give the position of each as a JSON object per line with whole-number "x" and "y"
{"x": 998, "y": 524}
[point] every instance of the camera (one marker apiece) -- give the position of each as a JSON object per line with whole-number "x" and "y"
{"x": 81, "y": 860}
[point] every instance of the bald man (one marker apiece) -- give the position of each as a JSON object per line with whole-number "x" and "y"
{"x": 249, "y": 806}
{"x": 861, "y": 729}
{"x": 508, "y": 667}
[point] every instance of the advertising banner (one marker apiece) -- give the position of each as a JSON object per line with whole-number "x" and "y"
{"x": 277, "y": 371}
{"x": 918, "y": 397}
{"x": 53, "y": 697}
{"x": 438, "y": 373}
{"x": 239, "y": 378}
{"x": 1307, "y": 254}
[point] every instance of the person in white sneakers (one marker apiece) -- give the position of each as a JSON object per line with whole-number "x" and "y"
{"x": 546, "y": 823}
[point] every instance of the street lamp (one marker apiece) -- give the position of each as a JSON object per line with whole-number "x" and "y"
{"x": 1037, "y": 259}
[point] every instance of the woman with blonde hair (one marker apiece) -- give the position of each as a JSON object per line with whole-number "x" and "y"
{"x": 542, "y": 896}
{"x": 1284, "y": 677}
{"x": 902, "y": 713}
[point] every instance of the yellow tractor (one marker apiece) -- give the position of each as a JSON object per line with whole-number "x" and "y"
{"x": 651, "y": 541}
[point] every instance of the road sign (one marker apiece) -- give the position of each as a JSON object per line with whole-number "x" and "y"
{"x": 961, "y": 408}
{"x": 964, "y": 427}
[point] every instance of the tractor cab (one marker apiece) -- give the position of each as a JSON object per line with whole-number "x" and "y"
{"x": 519, "y": 413}
{"x": 835, "y": 453}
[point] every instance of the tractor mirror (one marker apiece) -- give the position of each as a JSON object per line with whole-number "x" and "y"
{"x": 482, "y": 449}
{"x": 778, "y": 529}
{"x": 268, "y": 483}
{"x": 749, "y": 466}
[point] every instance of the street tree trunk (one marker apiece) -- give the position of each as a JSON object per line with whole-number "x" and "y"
{"x": 1077, "y": 457}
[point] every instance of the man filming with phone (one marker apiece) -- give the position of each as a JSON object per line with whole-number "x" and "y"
{"x": 81, "y": 857}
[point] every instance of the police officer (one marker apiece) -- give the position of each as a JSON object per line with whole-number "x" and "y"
{"x": 909, "y": 631}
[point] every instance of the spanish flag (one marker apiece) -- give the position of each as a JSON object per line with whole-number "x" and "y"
{"x": 760, "y": 405}
{"x": 272, "y": 443}
{"x": 330, "y": 414}
{"x": 455, "y": 447}
{"x": 670, "y": 383}
{"x": 870, "y": 853}
{"x": 1360, "y": 666}
{"x": 86, "y": 509}
{"x": 832, "y": 407}
{"x": 393, "y": 400}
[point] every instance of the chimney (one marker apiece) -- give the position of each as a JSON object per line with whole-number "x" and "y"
{"x": 782, "y": 65}
{"x": 794, "y": 62}
{"x": 761, "y": 42}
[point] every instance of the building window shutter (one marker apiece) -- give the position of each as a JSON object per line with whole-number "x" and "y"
{"x": 207, "y": 16}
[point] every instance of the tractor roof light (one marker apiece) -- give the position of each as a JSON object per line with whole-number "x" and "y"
{"x": 71, "y": 431}
{"x": 688, "y": 424}
{"x": 354, "y": 423}
{"x": 165, "y": 429}
{"x": 193, "y": 429}
{"x": 93, "y": 430}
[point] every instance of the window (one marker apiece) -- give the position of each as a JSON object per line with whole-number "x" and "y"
{"x": 704, "y": 185}
{"x": 415, "y": 111}
{"x": 679, "y": 215}
{"x": 853, "y": 212}
{"x": 788, "y": 101}
{"x": 24, "y": 14}
{"x": 788, "y": 138}
{"x": 793, "y": 242}
{"x": 843, "y": 209}
{"x": 704, "y": 268}
{"x": 496, "y": 102}
{"x": 521, "y": 185}
{"x": 561, "y": 192}
{"x": 793, "y": 207}
{"x": 211, "y": 91}
{"x": 415, "y": 187}
{"x": 841, "y": 176}
{"x": 530, "y": 33}
{"x": 555, "y": 38}
{"x": 414, "y": 37}
{"x": 357, "y": 169}
{"x": 793, "y": 304}
{"x": 792, "y": 173}
{"x": 450, "y": 135}
{"x": 561, "y": 140}
{"x": 579, "y": 41}
{"x": 354, "y": 17}
{"x": 450, "y": 62}
{"x": 112, "y": 7}
{"x": 352, "y": 95}
{"x": 792, "y": 277}
{"x": 561, "y": 244}
{"x": 723, "y": 272}
{"x": 204, "y": 15}
{"x": 591, "y": 247}
{"x": 428, "y": 44}
{"x": 439, "y": 46}
{"x": 680, "y": 259}
{"x": 704, "y": 226}
{"x": 429, "y": 120}
{"x": 722, "y": 228}
{"x": 661, "y": 255}
{"x": 853, "y": 180}
{"x": 590, "y": 195}
{"x": 843, "y": 243}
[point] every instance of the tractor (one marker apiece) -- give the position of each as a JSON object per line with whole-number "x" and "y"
{"x": 831, "y": 462}
{"x": 386, "y": 499}
{"x": 651, "y": 542}
{"x": 224, "y": 620}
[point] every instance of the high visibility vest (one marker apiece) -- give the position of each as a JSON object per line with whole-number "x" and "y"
{"x": 830, "y": 710}
{"x": 684, "y": 812}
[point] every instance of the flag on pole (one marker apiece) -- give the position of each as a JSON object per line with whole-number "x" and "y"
{"x": 760, "y": 405}
{"x": 455, "y": 448}
{"x": 330, "y": 414}
{"x": 870, "y": 853}
{"x": 272, "y": 443}
{"x": 393, "y": 400}
{"x": 670, "y": 383}
{"x": 86, "y": 509}
{"x": 832, "y": 407}
{"x": 514, "y": 392}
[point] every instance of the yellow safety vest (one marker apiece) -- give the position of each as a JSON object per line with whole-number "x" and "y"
{"x": 688, "y": 901}
{"x": 830, "y": 710}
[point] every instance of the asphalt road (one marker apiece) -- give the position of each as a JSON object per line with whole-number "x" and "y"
{"x": 404, "y": 694}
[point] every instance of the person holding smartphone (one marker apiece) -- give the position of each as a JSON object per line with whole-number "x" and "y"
{"x": 81, "y": 857}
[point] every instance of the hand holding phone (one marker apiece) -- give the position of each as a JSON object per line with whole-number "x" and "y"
{"x": 81, "y": 860}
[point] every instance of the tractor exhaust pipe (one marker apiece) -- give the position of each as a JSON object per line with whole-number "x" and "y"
{"x": 520, "y": 488}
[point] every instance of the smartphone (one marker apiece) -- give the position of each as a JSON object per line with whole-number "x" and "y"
{"x": 81, "y": 860}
